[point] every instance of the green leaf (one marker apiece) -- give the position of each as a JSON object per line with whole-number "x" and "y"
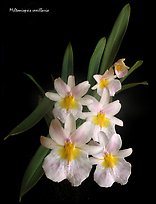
{"x": 95, "y": 60}
{"x": 44, "y": 107}
{"x": 115, "y": 38}
{"x": 67, "y": 66}
{"x": 35, "y": 82}
{"x": 132, "y": 69}
{"x": 130, "y": 85}
{"x": 34, "y": 171}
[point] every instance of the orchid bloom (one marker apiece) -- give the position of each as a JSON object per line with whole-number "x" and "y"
{"x": 120, "y": 68}
{"x": 107, "y": 81}
{"x": 101, "y": 116}
{"x": 68, "y": 98}
{"x": 68, "y": 158}
{"x": 110, "y": 163}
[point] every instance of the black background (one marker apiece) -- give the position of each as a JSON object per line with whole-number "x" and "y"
{"x": 35, "y": 43}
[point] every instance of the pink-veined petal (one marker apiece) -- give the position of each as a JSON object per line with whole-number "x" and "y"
{"x": 54, "y": 167}
{"x": 81, "y": 89}
{"x": 123, "y": 69}
{"x": 70, "y": 124}
{"x": 124, "y": 153}
{"x": 103, "y": 177}
{"x": 79, "y": 169}
{"x": 71, "y": 81}
{"x": 47, "y": 142}
{"x": 56, "y": 132}
{"x": 61, "y": 87}
{"x": 112, "y": 108}
{"x": 53, "y": 96}
{"x": 121, "y": 74}
{"x": 122, "y": 171}
{"x": 82, "y": 135}
{"x": 114, "y": 86}
{"x": 114, "y": 143}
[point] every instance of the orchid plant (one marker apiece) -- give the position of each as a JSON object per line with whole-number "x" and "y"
{"x": 82, "y": 120}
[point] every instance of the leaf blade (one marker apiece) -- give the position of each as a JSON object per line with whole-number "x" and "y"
{"x": 39, "y": 112}
{"x": 132, "y": 69}
{"x": 95, "y": 60}
{"x": 35, "y": 82}
{"x": 67, "y": 65}
{"x": 33, "y": 171}
{"x": 115, "y": 38}
{"x": 131, "y": 85}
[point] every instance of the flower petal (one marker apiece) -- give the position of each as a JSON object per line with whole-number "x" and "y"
{"x": 124, "y": 153}
{"x": 81, "y": 89}
{"x": 103, "y": 177}
{"x": 117, "y": 121}
{"x": 87, "y": 99}
{"x": 97, "y": 77}
{"x": 92, "y": 149}
{"x": 71, "y": 81}
{"x": 112, "y": 108}
{"x": 114, "y": 86}
{"x": 59, "y": 113}
{"x": 53, "y": 96}
{"x": 47, "y": 142}
{"x": 70, "y": 124}
{"x": 110, "y": 130}
{"x": 105, "y": 97}
{"x": 95, "y": 107}
{"x": 109, "y": 73}
{"x": 95, "y": 161}
{"x": 79, "y": 170}
{"x": 94, "y": 87}
{"x": 54, "y": 167}
{"x": 56, "y": 132}
{"x": 103, "y": 139}
{"x": 82, "y": 135}
{"x": 61, "y": 87}
{"x": 122, "y": 172}
{"x": 122, "y": 73}
{"x": 114, "y": 143}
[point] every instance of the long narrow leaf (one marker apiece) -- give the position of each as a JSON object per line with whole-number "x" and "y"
{"x": 35, "y": 82}
{"x": 95, "y": 60}
{"x": 130, "y": 85}
{"x": 132, "y": 69}
{"x": 67, "y": 66}
{"x": 115, "y": 38}
{"x": 34, "y": 171}
{"x": 44, "y": 107}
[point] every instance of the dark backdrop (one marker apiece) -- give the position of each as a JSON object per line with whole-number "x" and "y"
{"x": 35, "y": 43}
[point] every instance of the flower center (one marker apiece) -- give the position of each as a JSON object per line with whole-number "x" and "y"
{"x": 101, "y": 120}
{"x": 103, "y": 83}
{"x": 69, "y": 102}
{"x": 118, "y": 68}
{"x": 69, "y": 151}
{"x": 109, "y": 160}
